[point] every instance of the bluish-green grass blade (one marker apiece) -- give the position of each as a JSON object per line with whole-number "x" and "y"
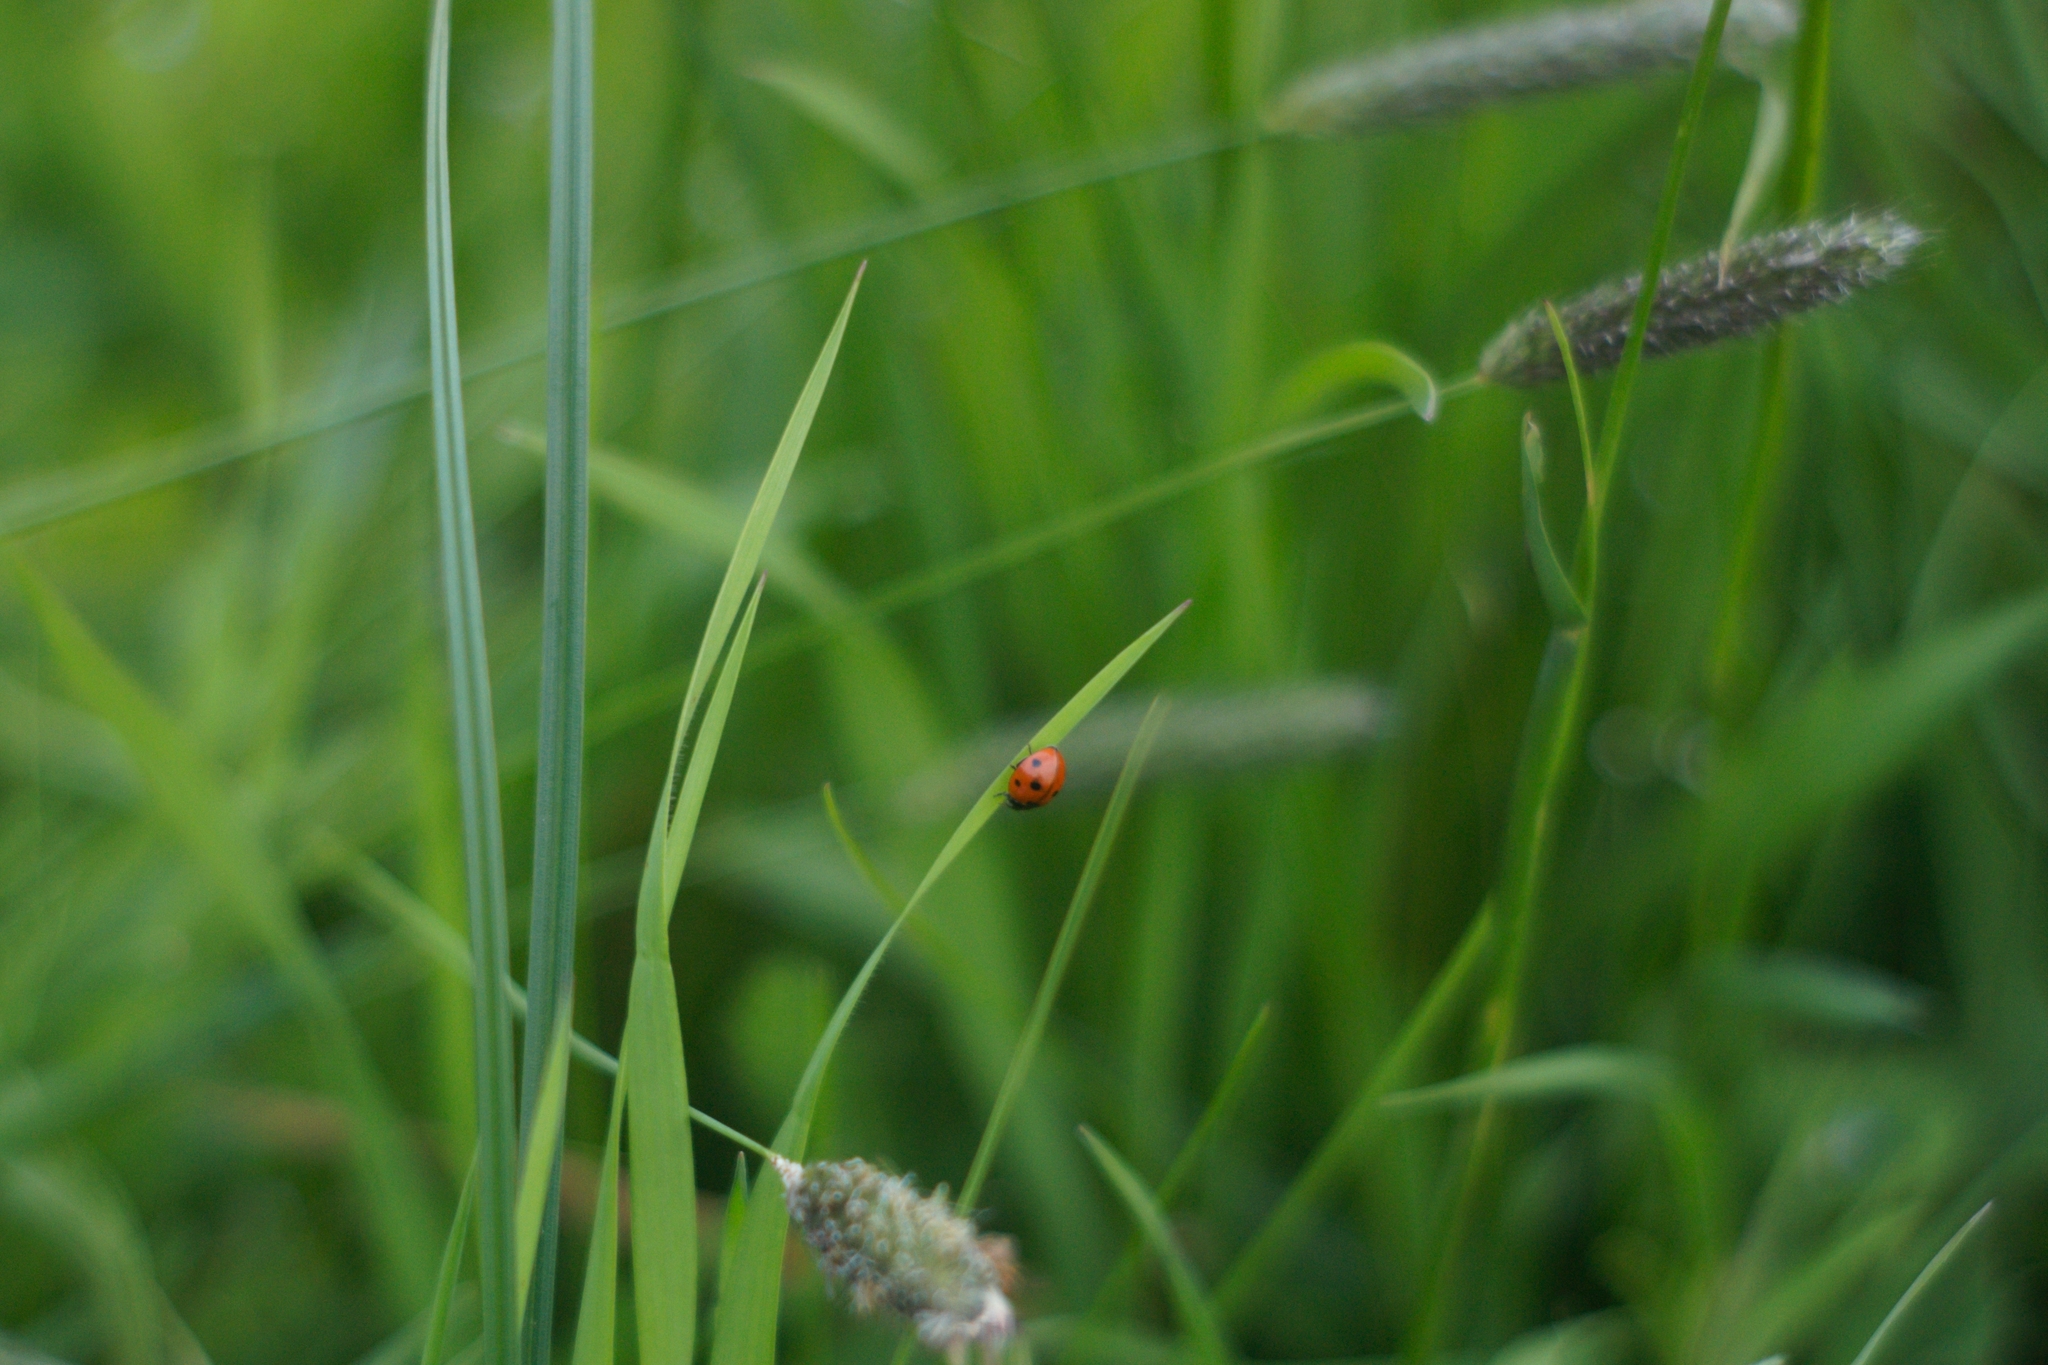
{"x": 1197, "y": 1320}
{"x": 433, "y": 1350}
{"x": 597, "y": 1314}
{"x": 483, "y": 839}
{"x": 565, "y": 561}
{"x": 1062, "y": 954}
{"x": 746, "y": 1319}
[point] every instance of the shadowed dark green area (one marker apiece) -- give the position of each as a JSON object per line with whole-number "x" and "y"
{"x": 1784, "y": 1010}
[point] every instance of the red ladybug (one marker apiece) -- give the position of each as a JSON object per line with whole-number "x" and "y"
{"x": 1037, "y": 779}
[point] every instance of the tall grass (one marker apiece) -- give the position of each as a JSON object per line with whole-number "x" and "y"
{"x": 1581, "y": 902}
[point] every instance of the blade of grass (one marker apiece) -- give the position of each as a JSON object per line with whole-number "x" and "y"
{"x": 39, "y": 500}
{"x": 1578, "y": 391}
{"x": 75, "y": 1208}
{"x": 1616, "y": 414}
{"x": 1196, "y": 1317}
{"x": 1117, "y": 1285}
{"x": 1062, "y": 954}
{"x": 597, "y": 1313}
{"x": 433, "y": 1350}
{"x": 483, "y": 838}
{"x": 1559, "y": 595}
{"x": 1344, "y": 1145}
{"x": 539, "y": 1163}
{"x": 858, "y": 856}
{"x": 747, "y": 1316}
{"x": 664, "y": 1171}
{"x": 558, "y": 783}
{"x": 1927, "y": 1276}
{"x": 193, "y": 800}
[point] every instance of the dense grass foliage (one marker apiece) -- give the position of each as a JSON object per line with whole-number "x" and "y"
{"x": 1607, "y": 930}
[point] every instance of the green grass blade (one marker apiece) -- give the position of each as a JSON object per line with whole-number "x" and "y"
{"x": 483, "y": 837}
{"x": 664, "y": 1172}
{"x": 1117, "y": 1285}
{"x": 1196, "y": 1317}
{"x": 597, "y": 1314}
{"x": 42, "y": 499}
{"x": 1558, "y": 593}
{"x": 1601, "y": 1072}
{"x": 1349, "y": 365}
{"x": 75, "y": 1209}
{"x": 857, "y": 118}
{"x": 1616, "y": 415}
{"x": 753, "y": 540}
{"x": 746, "y": 1319}
{"x": 194, "y": 801}
{"x": 1578, "y": 392}
{"x": 1766, "y": 159}
{"x": 1344, "y": 1146}
{"x": 433, "y": 1350}
{"x": 1928, "y": 1274}
{"x": 858, "y": 856}
{"x": 1062, "y": 954}
{"x": 538, "y": 1163}
{"x": 735, "y": 1218}
{"x": 558, "y": 784}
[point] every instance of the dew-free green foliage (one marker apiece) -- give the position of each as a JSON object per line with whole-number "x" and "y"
{"x": 1750, "y": 920}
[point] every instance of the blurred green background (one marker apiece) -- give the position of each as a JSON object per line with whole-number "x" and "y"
{"x": 210, "y": 243}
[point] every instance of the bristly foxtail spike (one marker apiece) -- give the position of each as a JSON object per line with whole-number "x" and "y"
{"x": 892, "y": 1248}
{"x": 1559, "y": 49}
{"x": 1767, "y": 279}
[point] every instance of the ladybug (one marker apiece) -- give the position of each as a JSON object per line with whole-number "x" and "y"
{"x": 1037, "y": 779}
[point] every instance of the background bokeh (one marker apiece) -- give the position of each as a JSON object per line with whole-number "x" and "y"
{"x": 211, "y": 245}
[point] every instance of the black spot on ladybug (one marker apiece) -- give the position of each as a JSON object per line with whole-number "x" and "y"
{"x": 1036, "y": 785}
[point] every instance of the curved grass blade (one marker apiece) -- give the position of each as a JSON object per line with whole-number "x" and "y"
{"x": 857, "y": 118}
{"x": 858, "y": 856}
{"x": 1596, "y": 1071}
{"x": 565, "y": 564}
{"x": 1558, "y": 593}
{"x": 483, "y": 839}
{"x": 1062, "y": 954}
{"x": 74, "y": 1208}
{"x": 434, "y": 1349}
{"x": 1196, "y": 1317}
{"x": 1353, "y": 363}
{"x": 1928, "y": 1274}
{"x": 746, "y": 1316}
{"x": 1117, "y": 1285}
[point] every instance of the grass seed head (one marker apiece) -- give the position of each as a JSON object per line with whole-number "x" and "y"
{"x": 896, "y": 1250}
{"x": 1558, "y": 50}
{"x": 1699, "y": 302}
